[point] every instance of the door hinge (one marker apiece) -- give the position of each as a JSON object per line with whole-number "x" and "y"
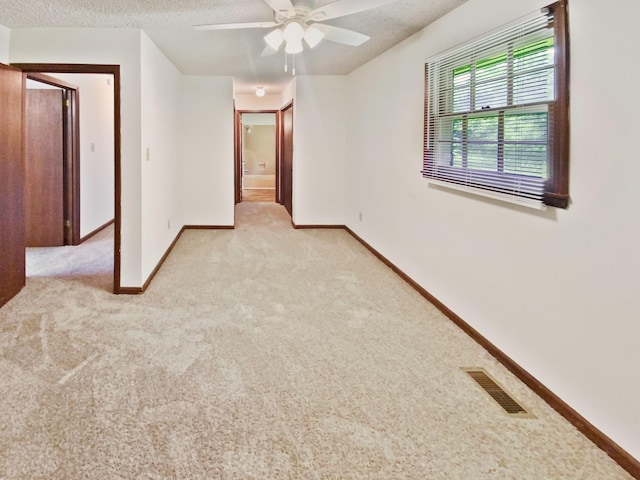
{"x": 67, "y": 103}
{"x": 67, "y": 223}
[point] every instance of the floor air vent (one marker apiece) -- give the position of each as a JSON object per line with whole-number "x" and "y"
{"x": 496, "y": 392}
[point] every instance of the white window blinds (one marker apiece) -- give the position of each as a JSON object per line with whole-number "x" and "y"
{"x": 490, "y": 111}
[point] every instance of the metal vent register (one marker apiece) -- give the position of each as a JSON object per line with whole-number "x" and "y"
{"x": 496, "y": 392}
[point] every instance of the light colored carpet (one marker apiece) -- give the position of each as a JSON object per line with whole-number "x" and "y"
{"x": 262, "y": 352}
{"x": 90, "y": 263}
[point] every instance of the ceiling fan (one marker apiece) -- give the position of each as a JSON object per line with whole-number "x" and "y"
{"x": 299, "y": 22}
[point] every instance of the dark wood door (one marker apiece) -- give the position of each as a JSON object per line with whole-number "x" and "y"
{"x": 287, "y": 158}
{"x": 44, "y": 168}
{"x": 12, "y": 264}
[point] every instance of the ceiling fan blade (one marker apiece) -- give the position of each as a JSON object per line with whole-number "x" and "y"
{"x": 283, "y": 7}
{"x": 341, "y": 8}
{"x": 341, "y": 35}
{"x": 233, "y": 26}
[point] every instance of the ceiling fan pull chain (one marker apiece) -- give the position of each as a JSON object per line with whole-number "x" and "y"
{"x": 293, "y": 72}
{"x": 286, "y": 67}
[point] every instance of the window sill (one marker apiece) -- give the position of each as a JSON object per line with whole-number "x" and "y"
{"x": 524, "y": 202}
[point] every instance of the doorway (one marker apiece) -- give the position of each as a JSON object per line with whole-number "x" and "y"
{"x": 69, "y": 170}
{"x": 113, "y": 71}
{"x": 259, "y": 156}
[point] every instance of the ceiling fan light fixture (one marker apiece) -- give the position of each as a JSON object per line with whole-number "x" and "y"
{"x": 294, "y": 47}
{"x": 293, "y": 32}
{"x": 313, "y": 36}
{"x": 275, "y": 38}
{"x": 260, "y": 92}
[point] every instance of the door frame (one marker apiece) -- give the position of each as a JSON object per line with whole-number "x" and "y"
{"x": 71, "y": 154}
{"x": 238, "y": 151}
{"x": 114, "y": 70}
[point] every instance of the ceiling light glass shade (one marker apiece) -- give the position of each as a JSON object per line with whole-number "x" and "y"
{"x": 313, "y": 36}
{"x": 260, "y": 91}
{"x": 294, "y": 47}
{"x": 293, "y": 32}
{"x": 274, "y": 39}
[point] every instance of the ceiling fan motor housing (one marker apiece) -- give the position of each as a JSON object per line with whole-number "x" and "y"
{"x": 301, "y": 16}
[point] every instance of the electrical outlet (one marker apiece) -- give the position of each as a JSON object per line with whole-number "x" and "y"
{"x": 93, "y": 147}
{"x": 360, "y": 216}
{"x": 148, "y": 154}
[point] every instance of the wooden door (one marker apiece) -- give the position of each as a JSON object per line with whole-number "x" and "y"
{"x": 12, "y": 263}
{"x": 287, "y": 158}
{"x": 44, "y": 168}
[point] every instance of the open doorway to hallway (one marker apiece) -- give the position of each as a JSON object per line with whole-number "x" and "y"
{"x": 259, "y": 156}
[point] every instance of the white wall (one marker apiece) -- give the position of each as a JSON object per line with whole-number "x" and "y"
{"x": 96, "y": 148}
{"x": 259, "y": 119}
{"x": 252, "y": 102}
{"x": 319, "y": 139}
{"x": 207, "y": 174}
{"x": 289, "y": 93}
{"x": 103, "y": 46}
{"x": 5, "y": 35}
{"x": 160, "y": 156}
{"x": 556, "y": 291}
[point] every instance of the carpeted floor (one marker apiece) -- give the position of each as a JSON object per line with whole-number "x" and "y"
{"x": 90, "y": 263}
{"x": 261, "y": 353}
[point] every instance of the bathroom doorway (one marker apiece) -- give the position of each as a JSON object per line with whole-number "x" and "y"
{"x": 258, "y": 156}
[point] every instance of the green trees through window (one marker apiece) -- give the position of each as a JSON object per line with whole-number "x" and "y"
{"x": 513, "y": 143}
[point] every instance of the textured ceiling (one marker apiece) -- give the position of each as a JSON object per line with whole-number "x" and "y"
{"x": 231, "y": 52}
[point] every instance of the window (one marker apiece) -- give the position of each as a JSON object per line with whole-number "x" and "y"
{"x": 496, "y": 113}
